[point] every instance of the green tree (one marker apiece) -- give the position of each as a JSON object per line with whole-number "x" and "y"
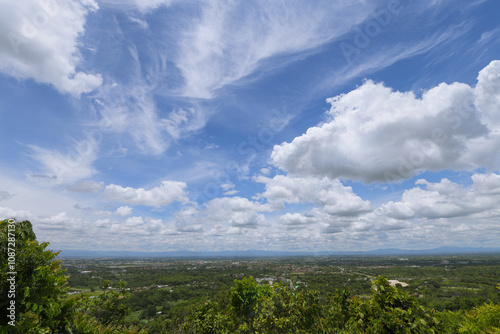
{"x": 41, "y": 301}
{"x": 280, "y": 309}
{"x": 149, "y": 312}
{"x": 245, "y": 295}
{"x": 392, "y": 311}
{"x": 206, "y": 320}
{"x": 110, "y": 307}
{"x": 481, "y": 319}
{"x": 288, "y": 311}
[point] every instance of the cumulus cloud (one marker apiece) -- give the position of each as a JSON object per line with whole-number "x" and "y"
{"x": 222, "y": 217}
{"x": 296, "y": 220}
{"x": 487, "y": 94}
{"x": 166, "y": 193}
{"x": 377, "y": 134}
{"x": 133, "y": 226}
{"x": 235, "y": 212}
{"x": 133, "y": 222}
{"x": 331, "y": 195}
{"x": 42, "y": 40}
{"x": 55, "y": 222}
{"x": 447, "y": 199}
{"x": 431, "y": 213}
{"x": 8, "y": 213}
{"x": 123, "y": 211}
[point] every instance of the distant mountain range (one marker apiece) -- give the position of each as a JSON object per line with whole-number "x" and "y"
{"x": 447, "y": 250}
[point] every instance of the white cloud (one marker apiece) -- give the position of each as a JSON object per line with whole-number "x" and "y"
{"x": 486, "y": 184}
{"x": 487, "y": 93}
{"x": 447, "y": 200}
{"x": 376, "y": 134}
{"x": 144, "y": 6}
{"x": 230, "y": 40}
{"x": 69, "y": 167}
{"x": 40, "y": 201}
{"x": 488, "y": 36}
{"x": 87, "y": 186}
{"x": 331, "y": 195}
{"x": 230, "y": 192}
{"x": 223, "y": 217}
{"x": 100, "y": 213}
{"x": 102, "y": 223}
{"x": 123, "y": 211}
{"x": 8, "y": 213}
{"x": 60, "y": 221}
{"x": 227, "y": 186}
{"x": 183, "y": 121}
{"x": 296, "y": 219}
{"x": 133, "y": 222}
{"x": 42, "y": 41}
{"x": 131, "y": 109}
{"x": 428, "y": 215}
{"x": 162, "y": 195}
{"x": 234, "y": 212}
{"x": 146, "y": 227}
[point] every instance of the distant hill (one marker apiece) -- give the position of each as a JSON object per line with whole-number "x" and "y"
{"x": 446, "y": 250}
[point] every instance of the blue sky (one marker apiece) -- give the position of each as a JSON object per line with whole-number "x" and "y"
{"x": 234, "y": 125}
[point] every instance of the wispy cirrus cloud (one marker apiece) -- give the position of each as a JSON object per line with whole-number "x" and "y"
{"x": 58, "y": 167}
{"x": 143, "y": 6}
{"x": 232, "y": 39}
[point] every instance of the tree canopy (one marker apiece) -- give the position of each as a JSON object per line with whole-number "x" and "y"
{"x": 39, "y": 292}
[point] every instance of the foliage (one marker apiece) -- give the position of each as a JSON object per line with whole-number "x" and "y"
{"x": 245, "y": 295}
{"x": 149, "y": 312}
{"x": 392, "y": 311}
{"x": 483, "y": 319}
{"x": 41, "y": 299}
{"x": 286, "y": 311}
{"x": 282, "y": 309}
{"x": 207, "y": 320}
{"x": 85, "y": 324}
{"x": 110, "y": 307}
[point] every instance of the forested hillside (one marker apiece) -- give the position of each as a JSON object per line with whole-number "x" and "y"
{"x": 42, "y": 303}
